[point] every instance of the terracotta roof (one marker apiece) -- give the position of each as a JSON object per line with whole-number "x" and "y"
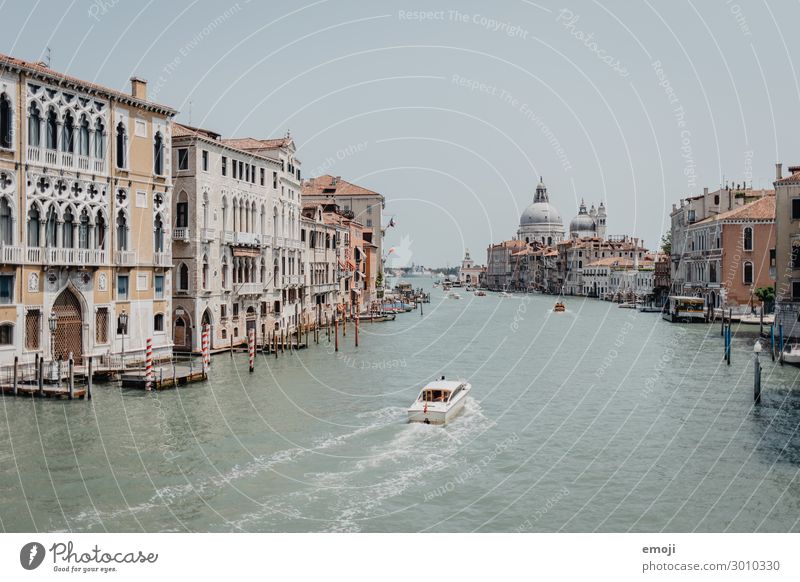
{"x": 180, "y": 130}
{"x": 334, "y": 186}
{"x": 61, "y": 79}
{"x": 793, "y": 179}
{"x": 250, "y": 143}
{"x": 761, "y": 209}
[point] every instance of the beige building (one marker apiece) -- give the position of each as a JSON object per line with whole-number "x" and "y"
{"x": 85, "y": 190}
{"x": 366, "y": 205}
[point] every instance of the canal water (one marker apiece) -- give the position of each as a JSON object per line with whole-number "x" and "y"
{"x": 597, "y": 419}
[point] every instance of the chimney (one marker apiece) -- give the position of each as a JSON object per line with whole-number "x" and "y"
{"x": 139, "y": 88}
{"x": 778, "y": 171}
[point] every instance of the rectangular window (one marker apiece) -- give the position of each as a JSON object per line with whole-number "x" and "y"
{"x": 795, "y": 208}
{"x": 274, "y": 180}
{"x": 205, "y": 161}
{"x": 236, "y": 310}
{"x": 33, "y": 325}
{"x": 796, "y": 254}
{"x": 183, "y": 159}
{"x": 223, "y": 311}
{"x": 158, "y": 322}
{"x": 6, "y": 334}
{"x": 235, "y": 169}
{"x": 6, "y": 289}
{"x": 263, "y": 176}
{"x": 101, "y": 325}
{"x": 158, "y": 286}
{"x": 122, "y": 286}
{"x": 141, "y": 282}
{"x": 224, "y": 166}
{"x": 241, "y": 170}
{"x": 140, "y": 127}
{"x": 369, "y": 222}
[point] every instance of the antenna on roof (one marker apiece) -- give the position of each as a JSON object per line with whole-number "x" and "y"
{"x": 190, "y": 111}
{"x": 47, "y": 57}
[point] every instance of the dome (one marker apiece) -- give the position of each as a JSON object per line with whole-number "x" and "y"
{"x": 584, "y": 224}
{"x": 540, "y": 213}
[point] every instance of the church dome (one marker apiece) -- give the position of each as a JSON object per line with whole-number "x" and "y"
{"x": 540, "y": 213}
{"x": 541, "y": 221}
{"x": 583, "y": 224}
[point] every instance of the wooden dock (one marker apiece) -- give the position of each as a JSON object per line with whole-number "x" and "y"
{"x": 164, "y": 377}
{"x": 47, "y": 391}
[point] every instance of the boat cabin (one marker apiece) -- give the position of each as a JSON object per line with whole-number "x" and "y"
{"x": 440, "y": 391}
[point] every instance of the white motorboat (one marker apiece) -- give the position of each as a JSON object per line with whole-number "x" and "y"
{"x": 504, "y": 294}
{"x": 439, "y": 401}
{"x": 791, "y": 355}
{"x": 627, "y": 305}
{"x": 454, "y": 295}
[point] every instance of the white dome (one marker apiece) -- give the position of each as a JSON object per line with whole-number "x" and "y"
{"x": 540, "y": 213}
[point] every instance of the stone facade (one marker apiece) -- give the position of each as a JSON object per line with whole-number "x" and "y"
{"x": 85, "y": 200}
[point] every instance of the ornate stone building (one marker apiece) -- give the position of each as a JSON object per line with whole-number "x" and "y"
{"x": 85, "y": 190}
{"x": 540, "y": 221}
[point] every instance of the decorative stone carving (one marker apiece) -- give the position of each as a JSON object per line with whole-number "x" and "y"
{"x": 102, "y": 282}
{"x": 33, "y": 283}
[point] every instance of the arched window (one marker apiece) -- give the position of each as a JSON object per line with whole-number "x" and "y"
{"x": 68, "y": 229}
{"x": 68, "y": 134}
{"x": 83, "y": 230}
{"x": 34, "y": 126}
{"x": 158, "y": 154}
{"x": 158, "y": 322}
{"x": 205, "y": 272}
{"x": 224, "y": 272}
{"x": 6, "y": 122}
{"x": 224, "y": 213}
{"x": 6, "y": 222}
{"x": 99, "y": 140}
{"x": 748, "y": 273}
{"x": 205, "y": 210}
{"x": 100, "y": 232}
{"x": 84, "y": 137}
{"x": 122, "y": 231}
{"x": 748, "y": 238}
{"x": 263, "y": 273}
{"x": 182, "y": 210}
{"x": 52, "y": 131}
{"x": 183, "y": 277}
{"x": 33, "y": 227}
{"x": 51, "y": 229}
{"x": 158, "y": 234}
{"x": 121, "y": 145}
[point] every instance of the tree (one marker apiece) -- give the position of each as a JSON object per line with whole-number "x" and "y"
{"x": 666, "y": 243}
{"x": 767, "y": 297}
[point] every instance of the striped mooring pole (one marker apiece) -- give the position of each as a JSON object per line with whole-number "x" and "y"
{"x": 206, "y": 348}
{"x": 148, "y": 364}
{"x": 251, "y": 348}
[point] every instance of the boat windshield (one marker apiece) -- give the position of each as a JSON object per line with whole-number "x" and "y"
{"x": 430, "y": 395}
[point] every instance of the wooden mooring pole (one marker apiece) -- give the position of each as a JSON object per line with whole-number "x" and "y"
{"x": 71, "y": 364}
{"x": 16, "y": 365}
{"x": 89, "y": 380}
{"x": 357, "y": 318}
{"x": 756, "y": 374}
{"x": 40, "y": 377}
{"x": 336, "y": 332}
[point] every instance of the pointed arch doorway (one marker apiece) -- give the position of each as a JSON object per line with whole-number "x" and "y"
{"x": 69, "y": 330}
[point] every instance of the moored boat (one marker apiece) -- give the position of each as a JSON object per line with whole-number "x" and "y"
{"x": 627, "y": 305}
{"x": 439, "y": 401}
{"x": 791, "y": 355}
{"x": 504, "y": 294}
{"x": 454, "y": 295}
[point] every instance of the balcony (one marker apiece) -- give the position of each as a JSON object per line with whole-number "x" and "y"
{"x": 65, "y": 160}
{"x": 162, "y": 259}
{"x": 227, "y": 237}
{"x": 125, "y": 258}
{"x": 74, "y": 257}
{"x": 207, "y": 234}
{"x": 279, "y": 242}
{"x": 247, "y": 238}
{"x": 11, "y": 255}
{"x": 181, "y": 234}
{"x": 248, "y": 288}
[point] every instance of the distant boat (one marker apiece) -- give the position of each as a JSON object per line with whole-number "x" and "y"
{"x": 559, "y": 307}
{"x": 504, "y": 294}
{"x": 480, "y": 293}
{"x": 627, "y": 305}
{"x": 684, "y": 308}
{"x": 454, "y": 295}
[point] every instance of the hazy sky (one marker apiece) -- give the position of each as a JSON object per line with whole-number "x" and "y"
{"x": 453, "y": 109}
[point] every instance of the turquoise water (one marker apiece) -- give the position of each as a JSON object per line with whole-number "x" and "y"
{"x": 598, "y": 419}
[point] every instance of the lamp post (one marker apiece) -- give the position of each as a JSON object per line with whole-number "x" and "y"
{"x": 123, "y": 328}
{"x": 52, "y": 321}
